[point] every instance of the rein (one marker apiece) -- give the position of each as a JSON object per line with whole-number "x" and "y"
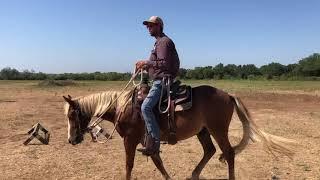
{"x": 99, "y": 119}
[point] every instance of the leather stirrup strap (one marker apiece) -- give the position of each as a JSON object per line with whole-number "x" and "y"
{"x": 172, "y": 138}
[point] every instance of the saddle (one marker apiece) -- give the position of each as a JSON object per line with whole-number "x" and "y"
{"x": 180, "y": 100}
{"x": 181, "y": 95}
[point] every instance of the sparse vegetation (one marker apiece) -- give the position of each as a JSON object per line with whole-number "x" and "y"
{"x": 50, "y": 83}
{"x": 285, "y": 108}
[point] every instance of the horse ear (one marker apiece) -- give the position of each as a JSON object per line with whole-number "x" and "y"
{"x": 68, "y": 100}
{"x": 69, "y": 96}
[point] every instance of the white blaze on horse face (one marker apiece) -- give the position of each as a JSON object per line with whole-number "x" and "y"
{"x": 69, "y": 129}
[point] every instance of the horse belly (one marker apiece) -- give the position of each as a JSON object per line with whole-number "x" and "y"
{"x": 187, "y": 126}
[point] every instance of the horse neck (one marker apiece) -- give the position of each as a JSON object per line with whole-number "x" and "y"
{"x": 103, "y": 103}
{"x": 97, "y": 104}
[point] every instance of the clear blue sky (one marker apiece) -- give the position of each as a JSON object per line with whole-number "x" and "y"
{"x": 56, "y": 36}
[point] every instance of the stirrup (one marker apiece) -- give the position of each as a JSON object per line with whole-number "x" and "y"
{"x": 146, "y": 152}
{"x": 172, "y": 138}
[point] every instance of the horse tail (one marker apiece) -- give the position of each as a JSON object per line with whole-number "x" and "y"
{"x": 251, "y": 131}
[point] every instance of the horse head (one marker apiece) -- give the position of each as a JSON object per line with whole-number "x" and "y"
{"x": 77, "y": 122}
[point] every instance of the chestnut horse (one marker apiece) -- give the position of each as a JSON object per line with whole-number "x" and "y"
{"x": 210, "y": 114}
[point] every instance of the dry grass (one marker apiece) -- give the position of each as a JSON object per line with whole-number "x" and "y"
{"x": 280, "y": 111}
{"x": 52, "y": 83}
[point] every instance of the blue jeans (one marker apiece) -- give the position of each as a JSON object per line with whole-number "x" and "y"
{"x": 147, "y": 110}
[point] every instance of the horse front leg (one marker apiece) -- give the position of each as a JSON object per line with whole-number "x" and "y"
{"x": 130, "y": 145}
{"x": 158, "y": 162}
{"x": 208, "y": 152}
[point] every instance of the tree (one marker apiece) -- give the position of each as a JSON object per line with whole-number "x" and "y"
{"x": 190, "y": 74}
{"x": 248, "y": 70}
{"x": 198, "y": 73}
{"x": 231, "y": 70}
{"x": 208, "y": 72}
{"x": 218, "y": 71}
{"x": 273, "y": 69}
{"x": 310, "y": 66}
{"x": 182, "y": 73}
{"x": 9, "y": 74}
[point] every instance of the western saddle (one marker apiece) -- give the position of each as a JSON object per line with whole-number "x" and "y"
{"x": 175, "y": 97}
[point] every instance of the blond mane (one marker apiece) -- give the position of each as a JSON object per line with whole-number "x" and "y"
{"x": 96, "y": 104}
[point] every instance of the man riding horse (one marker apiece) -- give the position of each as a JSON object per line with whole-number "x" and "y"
{"x": 210, "y": 115}
{"x": 163, "y": 63}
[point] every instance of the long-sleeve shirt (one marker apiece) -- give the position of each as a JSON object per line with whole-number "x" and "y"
{"x": 164, "y": 59}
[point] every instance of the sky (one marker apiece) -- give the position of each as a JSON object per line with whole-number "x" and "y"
{"x": 58, "y": 36}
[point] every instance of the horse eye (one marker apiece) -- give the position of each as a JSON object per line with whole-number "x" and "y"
{"x": 71, "y": 114}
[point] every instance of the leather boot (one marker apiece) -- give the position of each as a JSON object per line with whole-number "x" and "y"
{"x": 152, "y": 146}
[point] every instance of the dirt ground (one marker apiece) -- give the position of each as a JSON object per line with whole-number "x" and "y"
{"x": 288, "y": 114}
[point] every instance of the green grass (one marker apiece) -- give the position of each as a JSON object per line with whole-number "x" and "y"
{"x": 227, "y": 85}
{"x": 258, "y": 85}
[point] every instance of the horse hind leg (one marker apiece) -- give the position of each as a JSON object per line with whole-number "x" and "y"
{"x": 208, "y": 149}
{"x": 227, "y": 151}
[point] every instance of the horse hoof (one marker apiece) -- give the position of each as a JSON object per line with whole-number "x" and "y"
{"x": 193, "y": 178}
{"x": 221, "y": 159}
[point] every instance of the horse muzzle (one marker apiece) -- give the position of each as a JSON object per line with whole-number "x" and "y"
{"x": 77, "y": 140}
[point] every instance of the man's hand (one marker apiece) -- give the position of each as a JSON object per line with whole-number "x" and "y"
{"x": 141, "y": 64}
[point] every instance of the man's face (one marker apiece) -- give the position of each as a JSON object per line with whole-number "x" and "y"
{"x": 154, "y": 29}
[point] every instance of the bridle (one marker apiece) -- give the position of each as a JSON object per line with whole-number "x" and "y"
{"x": 93, "y": 124}
{"x": 82, "y": 129}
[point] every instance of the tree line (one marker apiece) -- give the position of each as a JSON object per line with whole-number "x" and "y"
{"x": 306, "y": 69}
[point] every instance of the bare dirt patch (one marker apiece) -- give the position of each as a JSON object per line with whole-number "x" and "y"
{"x": 292, "y": 115}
